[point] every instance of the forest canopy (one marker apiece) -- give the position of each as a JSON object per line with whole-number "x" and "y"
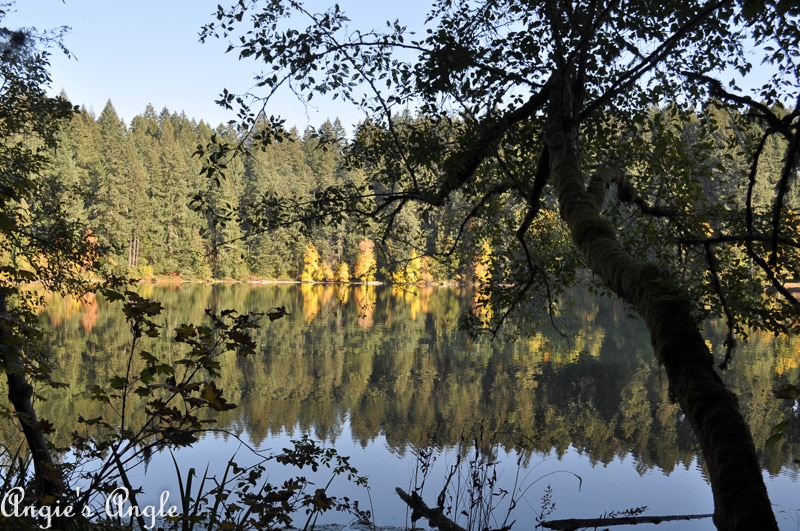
{"x": 131, "y": 184}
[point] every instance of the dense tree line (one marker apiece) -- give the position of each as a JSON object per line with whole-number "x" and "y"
{"x": 133, "y": 185}
{"x": 535, "y": 107}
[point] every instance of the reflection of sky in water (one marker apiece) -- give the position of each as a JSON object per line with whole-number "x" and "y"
{"x": 614, "y": 486}
{"x": 615, "y": 346}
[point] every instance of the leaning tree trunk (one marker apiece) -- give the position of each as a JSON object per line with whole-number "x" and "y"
{"x": 48, "y": 478}
{"x": 740, "y": 496}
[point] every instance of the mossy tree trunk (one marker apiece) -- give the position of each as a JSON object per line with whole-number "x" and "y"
{"x": 740, "y": 496}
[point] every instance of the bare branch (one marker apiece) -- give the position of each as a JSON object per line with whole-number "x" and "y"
{"x": 730, "y": 320}
{"x": 435, "y": 516}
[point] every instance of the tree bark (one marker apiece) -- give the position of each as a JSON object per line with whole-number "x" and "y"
{"x": 48, "y": 478}
{"x": 740, "y": 496}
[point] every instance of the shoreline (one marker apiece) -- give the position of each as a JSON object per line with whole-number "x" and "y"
{"x": 167, "y": 280}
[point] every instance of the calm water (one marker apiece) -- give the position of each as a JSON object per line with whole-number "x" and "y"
{"x": 382, "y": 376}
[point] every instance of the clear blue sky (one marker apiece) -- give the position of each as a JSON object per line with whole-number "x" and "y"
{"x": 135, "y": 52}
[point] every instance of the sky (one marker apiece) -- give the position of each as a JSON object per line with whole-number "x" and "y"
{"x": 141, "y": 52}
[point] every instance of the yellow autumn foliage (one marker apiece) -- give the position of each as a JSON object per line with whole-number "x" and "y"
{"x": 366, "y": 265}
{"x": 312, "y": 268}
{"x": 343, "y": 272}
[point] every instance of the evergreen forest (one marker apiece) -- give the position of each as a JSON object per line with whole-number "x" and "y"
{"x": 135, "y": 187}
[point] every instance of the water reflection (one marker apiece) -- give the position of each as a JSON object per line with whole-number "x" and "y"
{"x": 385, "y": 372}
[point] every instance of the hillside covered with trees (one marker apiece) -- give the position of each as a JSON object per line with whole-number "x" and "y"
{"x": 133, "y": 185}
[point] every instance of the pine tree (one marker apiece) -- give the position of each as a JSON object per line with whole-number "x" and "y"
{"x": 279, "y": 172}
{"x": 183, "y": 250}
{"x": 223, "y": 230}
{"x": 118, "y": 191}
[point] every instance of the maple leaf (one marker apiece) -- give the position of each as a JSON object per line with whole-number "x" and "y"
{"x": 213, "y": 396}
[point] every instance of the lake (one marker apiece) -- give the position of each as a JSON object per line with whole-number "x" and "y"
{"x": 386, "y": 377}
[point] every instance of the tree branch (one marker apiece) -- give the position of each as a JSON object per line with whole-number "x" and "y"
{"x": 435, "y": 516}
{"x": 462, "y": 164}
{"x": 789, "y": 165}
{"x": 781, "y": 125}
{"x": 635, "y": 73}
{"x": 713, "y": 268}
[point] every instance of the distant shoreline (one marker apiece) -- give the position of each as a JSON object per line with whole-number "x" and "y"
{"x": 171, "y": 280}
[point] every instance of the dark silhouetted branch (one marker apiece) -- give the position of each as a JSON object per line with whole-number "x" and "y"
{"x": 572, "y": 524}
{"x": 420, "y": 509}
{"x": 462, "y": 164}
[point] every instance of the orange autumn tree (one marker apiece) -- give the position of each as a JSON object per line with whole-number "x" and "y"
{"x": 366, "y": 264}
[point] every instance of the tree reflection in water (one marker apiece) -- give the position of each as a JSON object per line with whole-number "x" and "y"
{"x": 383, "y": 373}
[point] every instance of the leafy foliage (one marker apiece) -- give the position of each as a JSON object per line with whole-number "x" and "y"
{"x": 473, "y": 155}
{"x": 39, "y": 240}
{"x": 244, "y": 498}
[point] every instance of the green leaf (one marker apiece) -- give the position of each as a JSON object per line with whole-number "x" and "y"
{"x": 89, "y": 422}
{"x": 98, "y": 393}
{"x": 148, "y": 357}
{"x": 184, "y": 332}
{"x": 112, "y": 295}
{"x": 773, "y": 439}
{"x": 118, "y": 382}
{"x": 163, "y": 368}
{"x": 779, "y": 428}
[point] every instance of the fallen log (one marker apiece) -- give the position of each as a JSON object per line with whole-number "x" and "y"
{"x": 572, "y": 524}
